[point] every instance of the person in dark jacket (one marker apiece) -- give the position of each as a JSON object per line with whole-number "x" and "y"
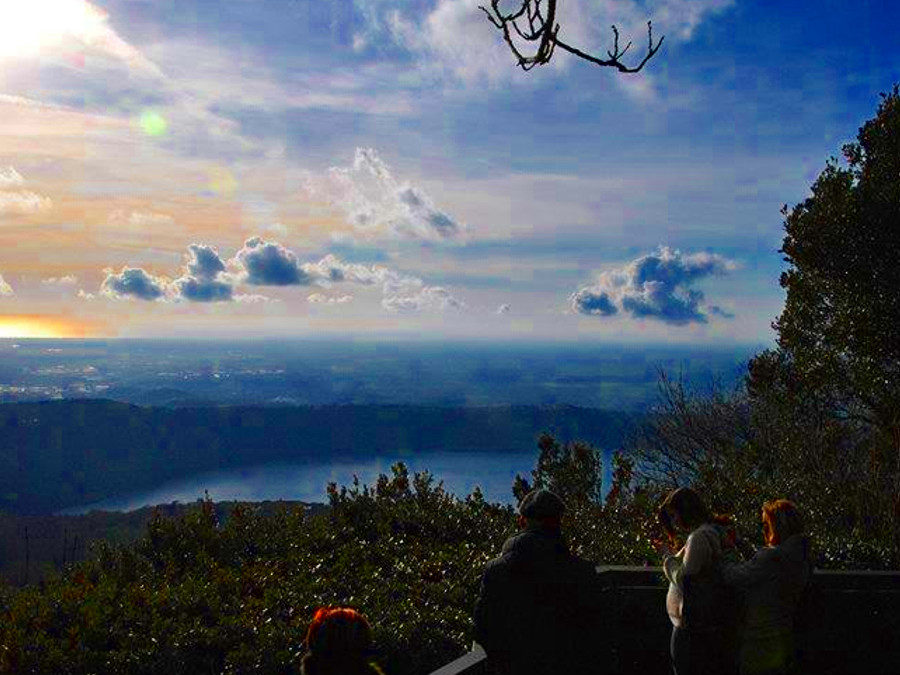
{"x": 538, "y": 608}
{"x": 772, "y": 584}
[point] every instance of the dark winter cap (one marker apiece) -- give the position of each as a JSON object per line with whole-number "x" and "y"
{"x": 541, "y": 504}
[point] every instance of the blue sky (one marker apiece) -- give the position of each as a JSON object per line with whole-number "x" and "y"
{"x": 375, "y": 167}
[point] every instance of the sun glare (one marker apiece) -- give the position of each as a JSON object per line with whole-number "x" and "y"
{"x": 39, "y": 327}
{"x": 27, "y": 27}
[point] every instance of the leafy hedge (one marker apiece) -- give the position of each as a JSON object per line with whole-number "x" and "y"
{"x": 197, "y": 596}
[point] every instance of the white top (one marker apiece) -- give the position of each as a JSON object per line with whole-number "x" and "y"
{"x": 703, "y": 547}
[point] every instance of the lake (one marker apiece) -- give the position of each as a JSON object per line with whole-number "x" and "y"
{"x": 460, "y": 471}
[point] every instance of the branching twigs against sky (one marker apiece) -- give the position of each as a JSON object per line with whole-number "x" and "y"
{"x": 530, "y": 25}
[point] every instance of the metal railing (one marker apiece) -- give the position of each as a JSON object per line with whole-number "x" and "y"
{"x": 851, "y": 624}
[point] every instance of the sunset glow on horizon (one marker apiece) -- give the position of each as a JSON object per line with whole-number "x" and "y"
{"x": 36, "y": 326}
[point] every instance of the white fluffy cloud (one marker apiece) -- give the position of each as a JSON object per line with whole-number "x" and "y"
{"x": 655, "y": 286}
{"x": 457, "y": 38}
{"x": 377, "y": 205}
{"x": 322, "y": 299}
{"x": 149, "y": 219}
{"x": 19, "y": 202}
{"x": 5, "y": 288}
{"x": 399, "y": 292}
{"x": 420, "y": 298}
{"x": 68, "y": 280}
{"x": 206, "y": 277}
{"x": 23, "y": 203}
{"x": 9, "y": 177}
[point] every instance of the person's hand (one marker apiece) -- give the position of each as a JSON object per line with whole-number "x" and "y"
{"x": 663, "y": 547}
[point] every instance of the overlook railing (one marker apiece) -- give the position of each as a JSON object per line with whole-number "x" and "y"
{"x": 849, "y": 625}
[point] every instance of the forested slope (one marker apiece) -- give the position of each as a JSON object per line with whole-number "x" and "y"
{"x": 59, "y": 454}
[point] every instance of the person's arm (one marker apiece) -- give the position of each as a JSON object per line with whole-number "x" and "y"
{"x": 672, "y": 565}
{"x": 752, "y": 572}
{"x": 698, "y": 553}
{"x": 489, "y": 617}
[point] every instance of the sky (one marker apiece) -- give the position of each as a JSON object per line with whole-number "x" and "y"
{"x": 382, "y": 168}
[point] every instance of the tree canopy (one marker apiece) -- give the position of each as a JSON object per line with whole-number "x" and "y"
{"x": 839, "y": 332}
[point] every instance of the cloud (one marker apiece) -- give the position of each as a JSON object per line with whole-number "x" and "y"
{"x": 68, "y": 280}
{"x": 9, "y": 177}
{"x": 322, "y": 299}
{"x": 21, "y": 202}
{"x": 205, "y": 280}
{"x": 655, "y": 286}
{"x": 253, "y": 298}
{"x": 204, "y": 290}
{"x": 399, "y": 292}
{"x": 425, "y": 298}
{"x": 270, "y": 264}
{"x": 204, "y": 261}
{"x": 74, "y": 29}
{"x": 594, "y": 301}
{"x": 134, "y": 282}
{"x": 149, "y": 219}
{"x": 721, "y": 311}
{"x": 5, "y": 288}
{"x": 377, "y": 205}
{"x": 457, "y": 40}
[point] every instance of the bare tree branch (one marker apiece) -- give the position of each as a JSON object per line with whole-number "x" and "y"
{"x": 544, "y": 32}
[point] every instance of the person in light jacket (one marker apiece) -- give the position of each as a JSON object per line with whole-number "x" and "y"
{"x": 772, "y": 584}
{"x": 699, "y": 605}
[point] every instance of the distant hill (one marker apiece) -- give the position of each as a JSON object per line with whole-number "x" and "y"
{"x": 32, "y": 546}
{"x": 56, "y": 455}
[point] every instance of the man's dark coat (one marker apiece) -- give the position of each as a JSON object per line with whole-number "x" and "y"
{"x": 539, "y": 608}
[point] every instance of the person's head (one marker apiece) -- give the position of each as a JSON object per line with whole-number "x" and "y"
{"x": 683, "y": 511}
{"x": 338, "y": 640}
{"x": 541, "y": 509}
{"x": 781, "y": 521}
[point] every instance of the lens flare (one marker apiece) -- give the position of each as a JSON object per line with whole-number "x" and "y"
{"x": 153, "y": 124}
{"x": 222, "y": 182}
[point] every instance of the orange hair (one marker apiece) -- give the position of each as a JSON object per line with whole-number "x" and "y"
{"x": 337, "y": 636}
{"x": 781, "y": 520}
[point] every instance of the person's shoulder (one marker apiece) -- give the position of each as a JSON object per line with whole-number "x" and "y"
{"x": 707, "y": 533}
{"x": 502, "y": 561}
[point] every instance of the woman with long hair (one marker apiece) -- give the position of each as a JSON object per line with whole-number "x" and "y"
{"x": 699, "y": 605}
{"x": 339, "y": 642}
{"x": 772, "y": 584}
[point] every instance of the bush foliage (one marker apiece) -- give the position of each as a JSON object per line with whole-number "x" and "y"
{"x": 197, "y": 596}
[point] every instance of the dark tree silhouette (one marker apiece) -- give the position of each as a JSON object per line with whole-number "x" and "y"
{"x": 535, "y": 25}
{"x": 839, "y": 333}
{"x": 840, "y": 328}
